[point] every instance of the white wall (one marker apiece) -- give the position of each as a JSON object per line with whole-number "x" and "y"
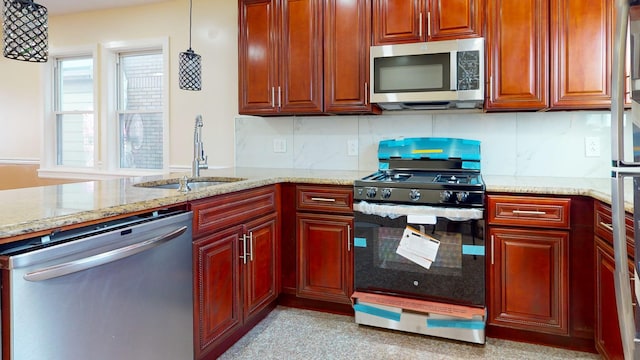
{"x": 215, "y": 28}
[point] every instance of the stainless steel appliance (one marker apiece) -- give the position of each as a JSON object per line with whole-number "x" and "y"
{"x": 625, "y": 141}
{"x": 429, "y": 75}
{"x": 419, "y": 239}
{"x": 116, "y": 290}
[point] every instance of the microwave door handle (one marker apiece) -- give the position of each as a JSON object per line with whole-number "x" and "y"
{"x": 453, "y": 69}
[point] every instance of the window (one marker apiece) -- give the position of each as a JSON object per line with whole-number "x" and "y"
{"x": 74, "y": 112}
{"x": 111, "y": 122}
{"x": 139, "y": 114}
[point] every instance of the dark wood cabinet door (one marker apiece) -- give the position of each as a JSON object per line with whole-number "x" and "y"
{"x": 398, "y": 21}
{"x": 301, "y": 49}
{"x": 454, "y": 19}
{"x": 607, "y": 330}
{"x": 581, "y": 53}
{"x": 325, "y": 257}
{"x": 217, "y": 279}
{"x": 261, "y": 286}
{"x": 528, "y": 280}
{"x": 257, "y": 57}
{"x": 517, "y": 54}
{"x": 347, "y": 34}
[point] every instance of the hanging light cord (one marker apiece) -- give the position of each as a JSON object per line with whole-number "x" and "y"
{"x": 190, "y": 15}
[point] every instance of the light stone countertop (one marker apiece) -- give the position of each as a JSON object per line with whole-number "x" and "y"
{"x": 40, "y": 209}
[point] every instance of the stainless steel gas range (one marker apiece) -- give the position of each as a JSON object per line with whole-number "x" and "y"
{"x": 419, "y": 239}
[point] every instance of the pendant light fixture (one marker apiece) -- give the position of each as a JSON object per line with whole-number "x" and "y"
{"x": 190, "y": 70}
{"x": 24, "y": 31}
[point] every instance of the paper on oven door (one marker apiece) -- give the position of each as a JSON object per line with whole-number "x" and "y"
{"x": 418, "y": 247}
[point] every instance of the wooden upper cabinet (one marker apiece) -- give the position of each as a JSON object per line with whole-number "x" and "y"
{"x": 257, "y": 57}
{"x": 407, "y": 21}
{"x": 581, "y": 48}
{"x": 301, "y": 46}
{"x": 347, "y": 38}
{"x": 517, "y": 54}
{"x": 280, "y": 57}
{"x": 549, "y": 54}
{"x": 398, "y": 21}
{"x": 454, "y": 19}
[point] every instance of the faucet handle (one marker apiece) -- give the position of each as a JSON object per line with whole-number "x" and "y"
{"x": 184, "y": 184}
{"x": 205, "y": 165}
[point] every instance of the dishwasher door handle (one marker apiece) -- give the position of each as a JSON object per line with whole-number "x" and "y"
{"x": 101, "y": 259}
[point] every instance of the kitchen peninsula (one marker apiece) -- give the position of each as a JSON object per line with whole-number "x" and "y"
{"x": 39, "y": 211}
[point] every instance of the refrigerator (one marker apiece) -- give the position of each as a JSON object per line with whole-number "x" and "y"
{"x": 625, "y": 166}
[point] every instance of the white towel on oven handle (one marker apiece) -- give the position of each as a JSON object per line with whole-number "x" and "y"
{"x": 394, "y": 211}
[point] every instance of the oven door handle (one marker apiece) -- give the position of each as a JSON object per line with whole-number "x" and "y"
{"x": 102, "y": 258}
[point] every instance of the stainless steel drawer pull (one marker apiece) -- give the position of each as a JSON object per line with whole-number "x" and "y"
{"x": 529, "y": 212}
{"x": 323, "y": 199}
{"x": 606, "y": 226}
{"x": 251, "y": 245}
{"x": 349, "y": 238}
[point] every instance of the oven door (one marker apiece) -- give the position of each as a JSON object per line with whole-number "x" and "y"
{"x": 456, "y": 271}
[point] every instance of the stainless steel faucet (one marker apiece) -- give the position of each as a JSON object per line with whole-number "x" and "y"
{"x": 199, "y": 158}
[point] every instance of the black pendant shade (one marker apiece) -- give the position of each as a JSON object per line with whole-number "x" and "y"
{"x": 24, "y": 31}
{"x": 189, "y": 67}
{"x": 190, "y": 70}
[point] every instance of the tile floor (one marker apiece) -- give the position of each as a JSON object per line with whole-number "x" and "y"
{"x": 289, "y": 333}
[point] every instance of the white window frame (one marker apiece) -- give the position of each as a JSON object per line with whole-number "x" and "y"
{"x": 110, "y": 126}
{"x": 49, "y": 166}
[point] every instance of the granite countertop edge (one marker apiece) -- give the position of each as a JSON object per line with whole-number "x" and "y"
{"x": 118, "y": 197}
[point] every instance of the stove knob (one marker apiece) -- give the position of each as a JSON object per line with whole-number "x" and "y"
{"x": 386, "y": 193}
{"x": 445, "y": 196}
{"x": 414, "y": 194}
{"x": 462, "y": 196}
{"x": 371, "y": 192}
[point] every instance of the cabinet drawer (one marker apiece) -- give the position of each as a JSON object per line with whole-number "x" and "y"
{"x": 603, "y": 226}
{"x": 324, "y": 198}
{"x": 219, "y": 212}
{"x": 528, "y": 211}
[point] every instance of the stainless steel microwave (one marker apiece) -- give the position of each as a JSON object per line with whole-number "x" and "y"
{"x": 429, "y": 75}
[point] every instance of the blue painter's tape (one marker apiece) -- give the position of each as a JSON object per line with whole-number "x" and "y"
{"x": 471, "y": 165}
{"x": 472, "y": 250}
{"x": 377, "y": 312}
{"x": 458, "y": 324}
{"x": 360, "y": 242}
{"x": 384, "y": 166}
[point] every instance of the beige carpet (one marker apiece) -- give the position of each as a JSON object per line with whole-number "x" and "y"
{"x": 289, "y": 333}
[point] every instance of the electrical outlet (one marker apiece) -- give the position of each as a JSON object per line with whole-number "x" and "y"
{"x": 279, "y": 145}
{"x": 352, "y": 147}
{"x": 592, "y": 146}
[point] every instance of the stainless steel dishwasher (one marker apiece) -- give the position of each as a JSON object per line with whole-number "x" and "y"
{"x": 116, "y": 290}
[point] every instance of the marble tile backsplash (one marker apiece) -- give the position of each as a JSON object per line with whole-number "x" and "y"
{"x": 513, "y": 144}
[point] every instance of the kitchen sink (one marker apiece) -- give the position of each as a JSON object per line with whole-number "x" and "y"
{"x": 194, "y": 184}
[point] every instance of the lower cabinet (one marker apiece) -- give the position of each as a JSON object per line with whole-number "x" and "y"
{"x": 607, "y": 330}
{"x": 235, "y": 267}
{"x": 325, "y": 259}
{"x": 529, "y": 280}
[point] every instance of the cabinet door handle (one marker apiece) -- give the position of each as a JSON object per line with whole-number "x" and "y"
{"x": 279, "y": 97}
{"x": 492, "y": 248}
{"x": 366, "y": 93}
{"x": 273, "y": 96}
{"x": 251, "y": 245}
{"x": 244, "y": 249}
{"x": 349, "y": 238}
{"x": 429, "y": 24}
{"x": 491, "y": 88}
{"x": 606, "y": 226}
{"x": 420, "y": 24}
{"x": 529, "y": 212}
{"x": 323, "y": 199}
